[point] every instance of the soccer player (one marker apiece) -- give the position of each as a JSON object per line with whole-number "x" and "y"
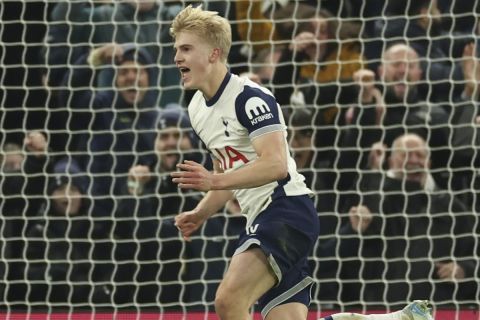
{"x": 242, "y": 125}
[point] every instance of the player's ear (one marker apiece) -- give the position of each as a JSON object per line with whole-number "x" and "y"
{"x": 215, "y": 54}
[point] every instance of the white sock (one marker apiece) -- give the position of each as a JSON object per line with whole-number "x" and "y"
{"x": 397, "y": 315}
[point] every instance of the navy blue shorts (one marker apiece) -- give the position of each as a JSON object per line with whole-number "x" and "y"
{"x": 286, "y": 231}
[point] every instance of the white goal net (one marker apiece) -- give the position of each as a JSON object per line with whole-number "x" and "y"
{"x": 381, "y": 100}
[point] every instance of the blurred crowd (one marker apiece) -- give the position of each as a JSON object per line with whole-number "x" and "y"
{"x": 382, "y": 103}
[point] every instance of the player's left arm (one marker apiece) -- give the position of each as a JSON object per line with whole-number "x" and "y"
{"x": 188, "y": 222}
{"x": 258, "y": 112}
{"x": 271, "y": 165}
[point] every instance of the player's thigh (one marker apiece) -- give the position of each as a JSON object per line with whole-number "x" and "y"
{"x": 248, "y": 277}
{"x": 288, "y": 311}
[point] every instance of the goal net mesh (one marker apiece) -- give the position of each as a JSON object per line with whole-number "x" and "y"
{"x": 93, "y": 119}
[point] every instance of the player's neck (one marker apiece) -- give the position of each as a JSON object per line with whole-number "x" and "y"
{"x": 214, "y": 81}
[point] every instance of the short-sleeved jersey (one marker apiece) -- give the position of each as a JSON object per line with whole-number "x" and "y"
{"x": 240, "y": 112}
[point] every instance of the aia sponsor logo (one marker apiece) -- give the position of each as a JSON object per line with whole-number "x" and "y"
{"x": 228, "y": 156}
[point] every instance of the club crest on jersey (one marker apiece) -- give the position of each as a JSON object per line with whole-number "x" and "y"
{"x": 225, "y": 123}
{"x": 257, "y": 110}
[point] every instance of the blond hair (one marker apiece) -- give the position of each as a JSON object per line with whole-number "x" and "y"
{"x": 205, "y": 24}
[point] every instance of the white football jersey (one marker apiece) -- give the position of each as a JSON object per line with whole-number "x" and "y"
{"x": 239, "y": 112}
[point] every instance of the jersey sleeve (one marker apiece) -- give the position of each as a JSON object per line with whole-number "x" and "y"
{"x": 258, "y": 112}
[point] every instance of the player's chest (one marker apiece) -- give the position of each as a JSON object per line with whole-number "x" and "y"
{"x": 218, "y": 128}
{"x": 226, "y": 139}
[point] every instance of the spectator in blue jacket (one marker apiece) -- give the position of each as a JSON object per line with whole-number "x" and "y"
{"x": 79, "y": 26}
{"x": 149, "y": 247}
{"x": 23, "y": 183}
{"x": 115, "y": 128}
{"x": 59, "y": 250}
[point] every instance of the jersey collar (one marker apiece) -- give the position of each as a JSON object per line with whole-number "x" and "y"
{"x": 220, "y": 90}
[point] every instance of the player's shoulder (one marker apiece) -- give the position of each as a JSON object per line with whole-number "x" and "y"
{"x": 250, "y": 88}
{"x": 196, "y": 100}
{"x": 255, "y": 106}
{"x": 252, "y": 92}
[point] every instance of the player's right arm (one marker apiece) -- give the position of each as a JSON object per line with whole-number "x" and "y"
{"x": 214, "y": 200}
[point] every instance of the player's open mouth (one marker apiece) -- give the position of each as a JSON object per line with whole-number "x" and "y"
{"x": 184, "y": 70}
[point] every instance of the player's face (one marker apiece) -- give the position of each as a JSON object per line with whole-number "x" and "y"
{"x": 132, "y": 81}
{"x": 67, "y": 200}
{"x": 192, "y": 59}
{"x": 168, "y": 144}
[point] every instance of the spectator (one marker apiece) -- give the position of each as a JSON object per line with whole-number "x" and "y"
{"x": 59, "y": 248}
{"x": 175, "y": 141}
{"x": 79, "y": 26}
{"x": 23, "y": 185}
{"x": 392, "y": 109}
{"x": 28, "y": 187}
{"x": 152, "y": 255}
{"x": 13, "y": 205}
{"x": 12, "y": 180}
{"x": 319, "y": 63}
{"x": 12, "y": 157}
{"x": 419, "y": 24}
{"x": 257, "y": 21}
{"x": 406, "y": 237}
{"x": 114, "y": 128}
{"x": 459, "y": 16}
{"x": 149, "y": 247}
{"x": 318, "y": 176}
{"x": 315, "y": 46}
{"x": 466, "y": 138}
{"x": 36, "y": 163}
{"x": 263, "y": 66}
{"x": 315, "y": 69}
{"x": 471, "y": 70}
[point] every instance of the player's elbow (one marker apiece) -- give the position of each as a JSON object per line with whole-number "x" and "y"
{"x": 275, "y": 165}
{"x": 280, "y": 170}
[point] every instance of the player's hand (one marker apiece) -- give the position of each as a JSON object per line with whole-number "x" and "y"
{"x": 188, "y": 222}
{"x": 193, "y": 176}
